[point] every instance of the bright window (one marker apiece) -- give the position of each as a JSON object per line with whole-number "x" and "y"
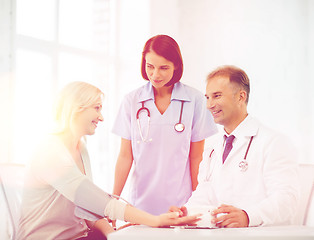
{"x": 58, "y": 42}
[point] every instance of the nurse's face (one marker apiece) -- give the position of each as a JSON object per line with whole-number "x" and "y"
{"x": 158, "y": 69}
{"x": 224, "y": 102}
{"x": 85, "y": 122}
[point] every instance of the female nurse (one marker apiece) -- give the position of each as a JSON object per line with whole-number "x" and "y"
{"x": 162, "y": 126}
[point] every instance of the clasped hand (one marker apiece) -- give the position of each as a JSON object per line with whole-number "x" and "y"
{"x": 225, "y": 216}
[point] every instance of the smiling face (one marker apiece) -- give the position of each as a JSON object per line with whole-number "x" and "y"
{"x": 158, "y": 69}
{"x": 226, "y": 102}
{"x": 85, "y": 122}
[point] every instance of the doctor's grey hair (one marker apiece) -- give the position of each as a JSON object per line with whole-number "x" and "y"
{"x": 236, "y": 75}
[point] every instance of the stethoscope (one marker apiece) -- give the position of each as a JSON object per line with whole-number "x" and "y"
{"x": 243, "y": 165}
{"x": 179, "y": 126}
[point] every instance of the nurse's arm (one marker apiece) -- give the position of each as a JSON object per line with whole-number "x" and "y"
{"x": 123, "y": 166}
{"x": 196, "y": 156}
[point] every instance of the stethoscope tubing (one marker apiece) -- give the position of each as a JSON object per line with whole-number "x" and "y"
{"x": 143, "y": 108}
{"x": 243, "y": 164}
{"x": 179, "y": 127}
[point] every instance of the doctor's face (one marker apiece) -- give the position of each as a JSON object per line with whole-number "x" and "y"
{"x": 158, "y": 69}
{"x": 223, "y": 102}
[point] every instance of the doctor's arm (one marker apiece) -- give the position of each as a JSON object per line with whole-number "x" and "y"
{"x": 123, "y": 166}
{"x": 195, "y": 156}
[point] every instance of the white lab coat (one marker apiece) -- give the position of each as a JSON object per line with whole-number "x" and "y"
{"x": 268, "y": 190}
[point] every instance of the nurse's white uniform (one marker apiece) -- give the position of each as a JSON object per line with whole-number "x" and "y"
{"x": 268, "y": 190}
{"x": 161, "y": 176}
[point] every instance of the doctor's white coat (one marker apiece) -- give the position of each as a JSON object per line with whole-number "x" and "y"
{"x": 268, "y": 190}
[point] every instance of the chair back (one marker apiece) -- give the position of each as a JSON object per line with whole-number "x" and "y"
{"x": 306, "y": 191}
{"x": 309, "y": 214}
{"x": 11, "y": 185}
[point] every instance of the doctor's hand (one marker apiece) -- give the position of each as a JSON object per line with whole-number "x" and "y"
{"x": 229, "y": 216}
{"x": 182, "y": 211}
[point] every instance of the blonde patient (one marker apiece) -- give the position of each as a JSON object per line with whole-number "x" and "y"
{"x": 60, "y": 200}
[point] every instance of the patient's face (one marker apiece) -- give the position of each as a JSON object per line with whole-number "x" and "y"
{"x": 85, "y": 122}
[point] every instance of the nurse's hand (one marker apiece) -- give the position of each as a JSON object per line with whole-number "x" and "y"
{"x": 228, "y": 216}
{"x": 174, "y": 219}
{"x": 182, "y": 211}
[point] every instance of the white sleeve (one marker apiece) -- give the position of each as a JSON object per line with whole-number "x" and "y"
{"x": 122, "y": 123}
{"x": 202, "y": 196}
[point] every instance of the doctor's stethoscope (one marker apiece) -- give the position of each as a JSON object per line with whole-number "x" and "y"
{"x": 179, "y": 126}
{"x": 243, "y": 165}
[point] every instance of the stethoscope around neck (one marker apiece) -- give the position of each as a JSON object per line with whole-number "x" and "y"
{"x": 243, "y": 165}
{"x": 179, "y": 126}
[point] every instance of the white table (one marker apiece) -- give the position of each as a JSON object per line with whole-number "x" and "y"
{"x": 256, "y": 233}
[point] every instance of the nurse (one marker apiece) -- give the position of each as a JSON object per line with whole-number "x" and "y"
{"x": 162, "y": 126}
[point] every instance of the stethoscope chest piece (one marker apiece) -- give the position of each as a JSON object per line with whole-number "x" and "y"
{"x": 179, "y": 127}
{"x": 243, "y": 165}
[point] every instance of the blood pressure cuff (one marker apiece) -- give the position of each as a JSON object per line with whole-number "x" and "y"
{"x": 93, "y": 203}
{"x": 83, "y": 213}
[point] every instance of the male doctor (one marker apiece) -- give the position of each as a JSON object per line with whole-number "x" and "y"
{"x": 251, "y": 174}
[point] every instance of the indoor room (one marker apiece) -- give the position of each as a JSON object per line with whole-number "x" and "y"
{"x": 45, "y": 45}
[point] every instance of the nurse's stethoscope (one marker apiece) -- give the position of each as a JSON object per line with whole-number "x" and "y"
{"x": 243, "y": 165}
{"x": 179, "y": 126}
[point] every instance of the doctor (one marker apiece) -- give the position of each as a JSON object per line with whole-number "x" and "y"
{"x": 162, "y": 126}
{"x": 251, "y": 173}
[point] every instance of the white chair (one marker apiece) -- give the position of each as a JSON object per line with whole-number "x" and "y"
{"x": 309, "y": 214}
{"x": 11, "y": 185}
{"x": 306, "y": 192}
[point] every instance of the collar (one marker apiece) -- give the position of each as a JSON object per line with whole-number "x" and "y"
{"x": 178, "y": 93}
{"x": 247, "y": 128}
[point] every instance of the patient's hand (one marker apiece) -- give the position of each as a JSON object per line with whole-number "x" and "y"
{"x": 174, "y": 219}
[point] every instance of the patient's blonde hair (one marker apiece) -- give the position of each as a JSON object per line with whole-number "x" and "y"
{"x": 73, "y": 98}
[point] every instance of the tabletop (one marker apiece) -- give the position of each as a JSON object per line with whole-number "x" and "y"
{"x": 270, "y": 233}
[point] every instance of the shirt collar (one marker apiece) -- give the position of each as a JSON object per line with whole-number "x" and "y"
{"x": 178, "y": 93}
{"x": 247, "y": 128}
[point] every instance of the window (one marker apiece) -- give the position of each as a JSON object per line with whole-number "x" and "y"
{"x": 58, "y": 42}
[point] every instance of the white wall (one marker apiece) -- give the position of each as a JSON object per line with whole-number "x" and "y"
{"x": 311, "y": 77}
{"x": 5, "y": 100}
{"x": 5, "y": 78}
{"x": 270, "y": 39}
